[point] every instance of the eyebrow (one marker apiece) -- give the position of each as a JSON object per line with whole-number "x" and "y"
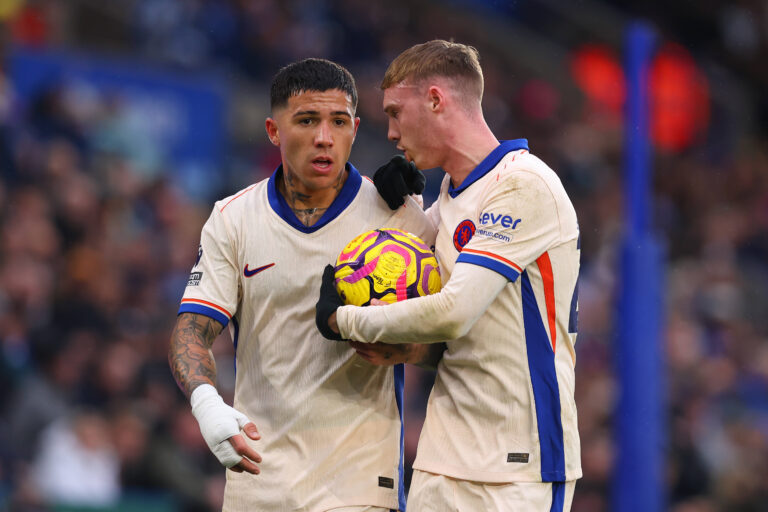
{"x": 316, "y": 113}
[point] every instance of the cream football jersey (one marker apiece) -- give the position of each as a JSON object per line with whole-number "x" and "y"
{"x": 330, "y": 423}
{"x": 502, "y": 407}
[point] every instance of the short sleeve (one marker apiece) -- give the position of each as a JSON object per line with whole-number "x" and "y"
{"x": 518, "y": 221}
{"x": 212, "y": 288}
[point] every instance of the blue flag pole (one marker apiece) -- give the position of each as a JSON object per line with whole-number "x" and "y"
{"x": 638, "y": 485}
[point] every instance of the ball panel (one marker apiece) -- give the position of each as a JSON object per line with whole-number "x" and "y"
{"x": 358, "y": 244}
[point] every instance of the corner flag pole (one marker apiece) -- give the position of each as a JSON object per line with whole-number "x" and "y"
{"x": 639, "y": 421}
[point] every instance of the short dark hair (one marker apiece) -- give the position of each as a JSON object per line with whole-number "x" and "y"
{"x": 311, "y": 75}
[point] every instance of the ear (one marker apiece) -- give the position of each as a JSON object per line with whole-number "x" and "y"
{"x": 436, "y": 98}
{"x": 272, "y": 132}
{"x": 357, "y": 124}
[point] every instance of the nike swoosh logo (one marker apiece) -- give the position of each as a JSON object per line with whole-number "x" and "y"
{"x": 250, "y": 273}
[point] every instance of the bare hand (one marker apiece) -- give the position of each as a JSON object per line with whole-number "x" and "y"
{"x": 382, "y": 354}
{"x": 243, "y": 448}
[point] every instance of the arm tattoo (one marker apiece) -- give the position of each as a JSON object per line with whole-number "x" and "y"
{"x": 190, "y": 354}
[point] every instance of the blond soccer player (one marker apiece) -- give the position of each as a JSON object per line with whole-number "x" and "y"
{"x": 500, "y": 431}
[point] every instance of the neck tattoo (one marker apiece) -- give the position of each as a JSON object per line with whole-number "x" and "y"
{"x": 307, "y": 216}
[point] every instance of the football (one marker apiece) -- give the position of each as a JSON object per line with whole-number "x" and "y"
{"x": 386, "y": 264}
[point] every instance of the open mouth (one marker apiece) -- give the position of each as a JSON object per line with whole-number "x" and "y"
{"x": 322, "y": 163}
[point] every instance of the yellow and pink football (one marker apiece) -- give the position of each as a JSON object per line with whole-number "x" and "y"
{"x": 386, "y": 264}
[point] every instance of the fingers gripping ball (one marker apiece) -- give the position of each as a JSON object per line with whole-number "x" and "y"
{"x": 386, "y": 264}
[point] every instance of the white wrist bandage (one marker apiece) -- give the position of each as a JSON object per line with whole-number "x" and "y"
{"x": 218, "y": 422}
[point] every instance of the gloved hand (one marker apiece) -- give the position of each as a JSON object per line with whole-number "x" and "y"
{"x": 218, "y": 422}
{"x": 327, "y": 304}
{"x": 396, "y": 179}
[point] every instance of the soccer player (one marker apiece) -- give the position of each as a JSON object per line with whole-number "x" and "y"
{"x": 327, "y": 422}
{"x": 500, "y": 431}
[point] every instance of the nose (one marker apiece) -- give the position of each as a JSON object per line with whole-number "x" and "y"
{"x": 393, "y": 133}
{"x": 323, "y": 136}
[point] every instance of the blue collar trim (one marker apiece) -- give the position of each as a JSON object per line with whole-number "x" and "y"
{"x": 345, "y": 197}
{"x": 488, "y": 163}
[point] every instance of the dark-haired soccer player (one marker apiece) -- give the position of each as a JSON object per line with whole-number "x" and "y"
{"x": 329, "y": 423}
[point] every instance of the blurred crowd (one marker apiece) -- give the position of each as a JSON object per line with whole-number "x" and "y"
{"x": 95, "y": 249}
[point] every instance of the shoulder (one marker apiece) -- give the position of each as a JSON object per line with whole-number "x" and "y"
{"x": 240, "y": 200}
{"x": 524, "y": 173}
{"x": 372, "y": 199}
{"x": 370, "y": 196}
{"x": 528, "y": 185}
{"x": 523, "y": 182}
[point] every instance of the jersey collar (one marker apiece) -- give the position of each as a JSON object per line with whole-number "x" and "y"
{"x": 488, "y": 163}
{"x": 345, "y": 197}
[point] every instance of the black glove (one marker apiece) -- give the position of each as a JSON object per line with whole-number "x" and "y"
{"x": 327, "y": 304}
{"x": 396, "y": 179}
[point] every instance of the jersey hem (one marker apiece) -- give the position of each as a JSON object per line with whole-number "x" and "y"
{"x": 329, "y": 506}
{"x": 500, "y": 478}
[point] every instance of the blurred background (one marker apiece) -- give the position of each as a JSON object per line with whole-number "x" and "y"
{"x": 122, "y": 121}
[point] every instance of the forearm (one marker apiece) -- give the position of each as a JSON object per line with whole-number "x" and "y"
{"x": 190, "y": 355}
{"x": 395, "y": 323}
{"x": 387, "y": 354}
{"x": 193, "y": 367}
{"x": 444, "y": 316}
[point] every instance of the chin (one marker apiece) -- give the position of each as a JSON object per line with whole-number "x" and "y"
{"x": 418, "y": 162}
{"x": 327, "y": 180}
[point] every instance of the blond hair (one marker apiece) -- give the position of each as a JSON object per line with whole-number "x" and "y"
{"x": 438, "y": 58}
